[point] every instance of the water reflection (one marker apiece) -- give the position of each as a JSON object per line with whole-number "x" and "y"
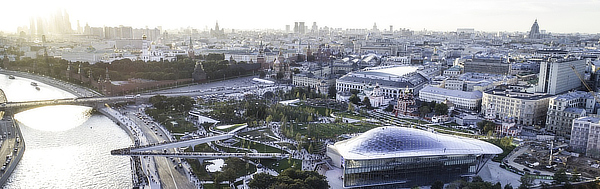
{"x": 67, "y": 146}
{"x": 55, "y": 118}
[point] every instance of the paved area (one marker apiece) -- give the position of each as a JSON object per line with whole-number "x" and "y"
{"x": 170, "y": 176}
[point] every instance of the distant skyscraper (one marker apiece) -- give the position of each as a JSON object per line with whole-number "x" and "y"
{"x": 31, "y": 27}
{"x": 375, "y": 27}
{"x": 40, "y": 26}
{"x": 301, "y": 28}
{"x": 534, "y": 33}
{"x": 391, "y": 28}
{"x": 296, "y": 29}
{"x": 217, "y": 32}
{"x": 314, "y": 28}
{"x": 287, "y": 28}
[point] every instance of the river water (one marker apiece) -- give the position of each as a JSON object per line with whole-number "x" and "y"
{"x": 66, "y": 146}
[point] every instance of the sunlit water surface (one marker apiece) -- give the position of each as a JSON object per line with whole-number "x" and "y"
{"x": 66, "y": 146}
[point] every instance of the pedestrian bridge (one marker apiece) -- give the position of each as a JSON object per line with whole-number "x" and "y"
{"x": 15, "y": 107}
{"x": 203, "y": 154}
{"x": 179, "y": 144}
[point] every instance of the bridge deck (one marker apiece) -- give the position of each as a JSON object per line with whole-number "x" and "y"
{"x": 178, "y": 144}
{"x": 203, "y": 154}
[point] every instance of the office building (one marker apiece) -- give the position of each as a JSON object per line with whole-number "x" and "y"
{"x": 557, "y": 75}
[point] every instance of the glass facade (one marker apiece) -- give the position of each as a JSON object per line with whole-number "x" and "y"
{"x": 408, "y": 171}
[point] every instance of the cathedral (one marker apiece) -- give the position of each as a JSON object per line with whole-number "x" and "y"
{"x": 406, "y": 103}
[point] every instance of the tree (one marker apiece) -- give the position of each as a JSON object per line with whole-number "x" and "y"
{"x": 508, "y": 186}
{"x": 331, "y": 92}
{"x": 560, "y": 177}
{"x": 440, "y": 109}
{"x": 389, "y": 108}
{"x": 486, "y": 126}
{"x": 262, "y": 74}
{"x": 437, "y": 185}
{"x": 354, "y": 99}
{"x": 367, "y": 102}
{"x": 350, "y": 107}
{"x": 575, "y": 176}
{"x": 261, "y": 181}
{"x": 424, "y": 110}
{"x": 526, "y": 181}
{"x": 279, "y": 75}
{"x": 497, "y": 186}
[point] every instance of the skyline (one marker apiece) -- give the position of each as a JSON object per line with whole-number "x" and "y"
{"x": 435, "y": 15}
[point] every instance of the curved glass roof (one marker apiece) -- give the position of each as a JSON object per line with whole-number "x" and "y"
{"x": 389, "y": 142}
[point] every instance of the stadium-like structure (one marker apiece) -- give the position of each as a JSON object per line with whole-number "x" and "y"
{"x": 394, "y": 157}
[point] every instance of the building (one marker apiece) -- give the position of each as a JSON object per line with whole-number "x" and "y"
{"x": 319, "y": 83}
{"x": 478, "y": 81}
{"x": 454, "y": 71}
{"x": 519, "y": 107}
{"x": 458, "y": 99}
{"x": 399, "y": 157}
{"x": 585, "y": 136}
{"x": 405, "y": 104}
{"x": 391, "y": 79}
{"x": 557, "y": 75}
{"x": 563, "y": 109}
{"x": 508, "y": 129}
{"x": 534, "y": 33}
{"x": 488, "y": 64}
{"x": 375, "y": 96}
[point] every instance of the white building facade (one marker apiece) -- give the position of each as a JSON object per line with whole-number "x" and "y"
{"x": 459, "y": 99}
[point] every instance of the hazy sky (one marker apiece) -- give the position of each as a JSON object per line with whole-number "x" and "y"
{"x": 558, "y": 16}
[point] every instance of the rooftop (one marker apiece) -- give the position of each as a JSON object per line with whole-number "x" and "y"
{"x": 452, "y": 93}
{"x": 391, "y": 142}
{"x": 574, "y": 95}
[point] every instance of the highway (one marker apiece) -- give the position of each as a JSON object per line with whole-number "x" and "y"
{"x": 170, "y": 176}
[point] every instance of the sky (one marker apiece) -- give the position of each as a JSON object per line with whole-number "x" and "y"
{"x": 556, "y": 16}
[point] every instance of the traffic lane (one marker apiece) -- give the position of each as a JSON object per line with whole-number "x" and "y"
{"x": 168, "y": 174}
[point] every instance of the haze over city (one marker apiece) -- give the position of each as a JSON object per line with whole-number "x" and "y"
{"x": 438, "y": 15}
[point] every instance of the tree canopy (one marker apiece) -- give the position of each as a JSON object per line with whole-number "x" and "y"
{"x": 289, "y": 178}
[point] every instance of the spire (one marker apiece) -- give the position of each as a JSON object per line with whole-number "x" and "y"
{"x": 107, "y": 77}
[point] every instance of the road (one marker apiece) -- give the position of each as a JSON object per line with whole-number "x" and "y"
{"x": 170, "y": 176}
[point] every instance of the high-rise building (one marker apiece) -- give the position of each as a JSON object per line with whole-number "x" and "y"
{"x": 287, "y": 28}
{"x": 31, "y": 27}
{"x": 301, "y": 28}
{"x": 315, "y": 28}
{"x": 557, "y": 75}
{"x": 534, "y": 33}
{"x": 296, "y": 29}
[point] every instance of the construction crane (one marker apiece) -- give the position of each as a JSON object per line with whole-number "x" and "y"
{"x": 584, "y": 83}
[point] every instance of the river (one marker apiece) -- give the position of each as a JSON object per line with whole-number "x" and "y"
{"x": 67, "y": 146}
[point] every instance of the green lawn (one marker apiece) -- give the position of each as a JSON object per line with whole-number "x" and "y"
{"x": 200, "y": 148}
{"x": 332, "y": 130}
{"x": 281, "y": 164}
{"x": 259, "y": 135}
{"x": 261, "y": 148}
{"x": 351, "y": 116}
